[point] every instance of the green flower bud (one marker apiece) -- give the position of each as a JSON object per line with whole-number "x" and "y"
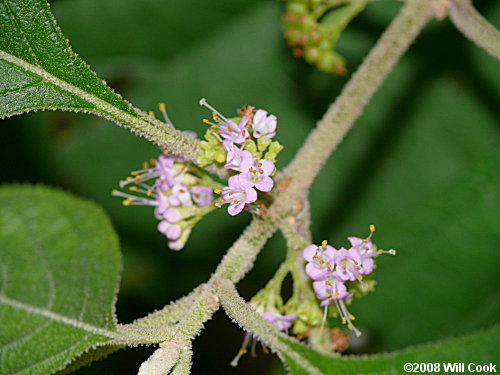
{"x": 263, "y": 142}
{"x": 251, "y": 146}
{"x": 273, "y": 151}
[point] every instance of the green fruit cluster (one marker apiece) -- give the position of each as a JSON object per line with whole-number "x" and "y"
{"x": 313, "y": 28}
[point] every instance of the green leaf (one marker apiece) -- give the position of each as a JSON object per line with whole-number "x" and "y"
{"x": 39, "y": 70}
{"x": 59, "y": 275}
{"x": 479, "y": 348}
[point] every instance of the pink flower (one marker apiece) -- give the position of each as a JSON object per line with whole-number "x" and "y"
{"x": 349, "y": 265}
{"x": 202, "y": 195}
{"x": 238, "y": 193}
{"x": 228, "y": 129}
{"x": 282, "y": 322}
{"x": 235, "y": 156}
{"x": 320, "y": 261}
{"x": 264, "y": 125}
{"x": 330, "y": 288}
{"x": 258, "y": 173}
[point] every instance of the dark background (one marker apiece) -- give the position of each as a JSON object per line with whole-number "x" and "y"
{"x": 421, "y": 163}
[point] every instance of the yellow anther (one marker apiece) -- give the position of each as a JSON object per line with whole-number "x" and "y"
{"x": 165, "y": 152}
{"x": 231, "y": 193}
{"x": 344, "y": 267}
{"x": 149, "y": 192}
{"x": 205, "y": 121}
{"x": 321, "y": 262}
{"x": 343, "y": 320}
{"x": 152, "y": 161}
{"x": 242, "y": 351}
{"x": 265, "y": 350}
{"x": 138, "y": 179}
{"x": 330, "y": 298}
{"x": 336, "y": 294}
{"x": 214, "y": 116}
{"x": 358, "y": 268}
{"x": 134, "y": 173}
{"x": 259, "y": 165}
{"x": 130, "y": 178}
{"x": 133, "y": 188}
{"x": 360, "y": 277}
{"x": 261, "y": 172}
{"x": 324, "y": 243}
{"x": 372, "y": 228}
{"x": 329, "y": 265}
{"x": 349, "y": 326}
{"x": 217, "y": 191}
{"x": 355, "y": 262}
{"x": 236, "y": 201}
{"x": 151, "y": 113}
{"x": 145, "y": 165}
{"x": 162, "y": 106}
{"x": 127, "y": 202}
{"x": 316, "y": 256}
{"x": 351, "y": 317}
{"x": 328, "y": 283}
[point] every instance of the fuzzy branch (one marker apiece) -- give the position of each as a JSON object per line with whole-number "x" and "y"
{"x": 475, "y": 27}
{"x": 341, "y": 115}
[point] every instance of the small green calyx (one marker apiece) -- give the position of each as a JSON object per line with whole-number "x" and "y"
{"x": 251, "y": 146}
{"x": 262, "y": 143}
{"x": 273, "y": 151}
{"x": 213, "y": 151}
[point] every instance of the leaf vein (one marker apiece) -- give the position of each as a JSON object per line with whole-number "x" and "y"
{"x": 27, "y": 86}
{"x": 57, "y": 317}
{"x": 21, "y": 31}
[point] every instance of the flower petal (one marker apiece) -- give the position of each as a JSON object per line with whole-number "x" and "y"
{"x": 265, "y": 184}
{"x": 251, "y": 195}
{"x": 235, "y": 209}
{"x": 309, "y": 252}
{"x": 267, "y": 166}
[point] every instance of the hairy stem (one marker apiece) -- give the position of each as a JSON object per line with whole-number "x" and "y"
{"x": 475, "y": 27}
{"x": 171, "y": 313}
{"x": 240, "y": 257}
{"x": 244, "y": 315}
{"x": 341, "y": 115}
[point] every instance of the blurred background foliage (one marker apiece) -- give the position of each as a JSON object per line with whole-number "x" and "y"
{"x": 421, "y": 163}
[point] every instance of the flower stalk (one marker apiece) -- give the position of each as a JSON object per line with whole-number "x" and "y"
{"x": 475, "y": 27}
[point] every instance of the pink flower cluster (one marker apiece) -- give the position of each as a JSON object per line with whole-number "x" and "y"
{"x": 176, "y": 193}
{"x": 252, "y": 174}
{"x": 331, "y": 269}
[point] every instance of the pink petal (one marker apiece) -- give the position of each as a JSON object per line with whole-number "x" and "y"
{"x": 309, "y": 252}
{"x": 251, "y": 195}
{"x": 265, "y": 184}
{"x": 235, "y": 209}
{"x": 267, "y": 166}
{"x": 316, "y": 273}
